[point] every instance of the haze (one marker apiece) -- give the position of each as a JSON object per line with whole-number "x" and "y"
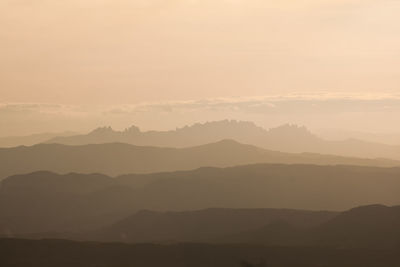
{"x": 203, "y": 133}
{"x": 69, "y": 65}
{"x": 124, "y": 52}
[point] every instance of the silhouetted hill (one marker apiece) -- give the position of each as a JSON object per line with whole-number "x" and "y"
{"x": 278, "y": 233}
{"x": 61, "y": 253}
{"x": 195, "y": 135}
{"x": 30, "y": 140}
{"x": 383, "y": 138}
{"x": 44, "y": 201}
{"x": 375, "y": 226}
{"x": 202, "y": 226}
{"x": 117, "y": 158}
{"x": 286, "y": 138}
{"x": 48, "y": 202}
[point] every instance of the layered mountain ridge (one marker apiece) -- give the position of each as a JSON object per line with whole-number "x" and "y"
{"x": 48, "y": 202}
{"x": 286, "y": 138}
{"x": 119, "y": 158}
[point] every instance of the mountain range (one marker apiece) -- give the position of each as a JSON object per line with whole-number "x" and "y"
{"x": 365, "y": 227}
{"x": 374, "y": 226}
{"x": 30, "y": 140}
{"x": 118, "y": 158}
{"x": 204, "y": 226}
{"x": 49, "y": 202}
{"x": 286, "y": 138}
{"x": 383, "y": 138}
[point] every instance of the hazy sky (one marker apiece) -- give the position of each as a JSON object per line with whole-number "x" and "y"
{"x": 86, "y": 53}
{"x": 131, "y": 51}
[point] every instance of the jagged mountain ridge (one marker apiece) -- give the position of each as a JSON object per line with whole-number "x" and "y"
{"x": 197, "y": 134}
{"x": 286, "y": 138}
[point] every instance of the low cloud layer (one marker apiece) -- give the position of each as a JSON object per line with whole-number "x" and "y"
{"x": 323, "y": 111}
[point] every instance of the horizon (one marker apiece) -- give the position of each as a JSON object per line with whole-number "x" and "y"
{"x": 321, "y": 113}
{"x": 254, "y": 133}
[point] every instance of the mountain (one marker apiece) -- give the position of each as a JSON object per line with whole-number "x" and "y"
{"x": 286, "y": 138}
{"x": 201, "y": 226}
{"x": 30, "y": 140}
{"x": 49, "y": 202}
{"x": 366, "y": 227}
{"x": 44, "y": 201}
{"x": 375, "y": 226}
{"x": 117, "y": 158}
{"x": 195, "y": 135}
{"x": 383, "y": 138}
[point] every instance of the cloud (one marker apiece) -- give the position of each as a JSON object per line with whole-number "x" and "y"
{"x": 366, "y": 102}
{"x": 316, "y": 111}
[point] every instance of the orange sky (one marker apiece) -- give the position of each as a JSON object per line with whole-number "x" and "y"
{"x": 115, "y": 52}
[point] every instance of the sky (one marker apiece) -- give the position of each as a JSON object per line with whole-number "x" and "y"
{"x": 87, "y": 57}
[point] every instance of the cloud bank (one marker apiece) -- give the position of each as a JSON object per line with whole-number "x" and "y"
{"x": 372, "y": 113}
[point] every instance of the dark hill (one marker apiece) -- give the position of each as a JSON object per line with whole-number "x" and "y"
{"x": 374, "y": 226}
{"x": 204, "y": 225}
{"x": 370, "y": 226}
{"x": 44, "y": 201}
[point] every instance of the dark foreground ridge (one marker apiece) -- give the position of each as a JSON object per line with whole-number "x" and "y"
{"x": 50, "y": 253}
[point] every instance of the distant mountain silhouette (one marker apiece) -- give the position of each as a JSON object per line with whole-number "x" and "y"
{"x": 30, "y": 140}
{"x": 48, "y": 202}
{"x": 286, "y": 138}
{"x": 384, "y": 138}
{"x": 195, "y": 135}
{"x": 117, "y": 158}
